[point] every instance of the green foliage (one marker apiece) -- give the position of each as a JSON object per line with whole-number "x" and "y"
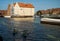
{"x": 38, "y": 13}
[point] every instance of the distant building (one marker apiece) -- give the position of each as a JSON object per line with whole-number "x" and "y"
{"x": 3, "y": 12}
{"x": 20, "y": 9}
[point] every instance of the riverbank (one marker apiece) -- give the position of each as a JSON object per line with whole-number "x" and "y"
{"x": 30, "y": 19}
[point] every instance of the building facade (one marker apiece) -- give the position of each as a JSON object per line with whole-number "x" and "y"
{"x": 3, "y": 12}
{"x": 20, "y": 9}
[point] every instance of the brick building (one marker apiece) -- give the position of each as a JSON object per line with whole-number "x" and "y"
{"x": 3, "y": 12}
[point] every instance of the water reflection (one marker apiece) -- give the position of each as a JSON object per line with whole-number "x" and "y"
{"x": 22, "y": 23}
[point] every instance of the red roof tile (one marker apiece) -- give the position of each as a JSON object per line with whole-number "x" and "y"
{"x": 25, "y": 5}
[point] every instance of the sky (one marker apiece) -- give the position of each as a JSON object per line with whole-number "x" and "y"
{"x": 38, "y": 4}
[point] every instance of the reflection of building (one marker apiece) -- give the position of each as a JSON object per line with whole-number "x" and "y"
{"x": 20, "y": 9}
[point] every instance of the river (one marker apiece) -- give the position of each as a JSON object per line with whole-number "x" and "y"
{"x": 37, "y": 31}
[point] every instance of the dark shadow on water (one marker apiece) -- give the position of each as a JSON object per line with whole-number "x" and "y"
{"x": 1, "y": 38}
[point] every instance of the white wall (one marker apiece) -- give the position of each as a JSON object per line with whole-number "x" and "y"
{"x": 26, "y": 11}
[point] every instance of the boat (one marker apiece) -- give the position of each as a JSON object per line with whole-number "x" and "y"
{"x": 7, "y": 16}
{"x": 51, "y": 20}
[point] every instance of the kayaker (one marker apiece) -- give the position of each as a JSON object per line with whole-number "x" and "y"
{"x": 24, "y": 35}
{"x": 14, "y": 32}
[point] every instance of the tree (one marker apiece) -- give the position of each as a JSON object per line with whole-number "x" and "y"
{"x": 39, "y": 13}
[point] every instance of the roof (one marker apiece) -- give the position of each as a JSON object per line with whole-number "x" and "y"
{"x": 24, "y": 5}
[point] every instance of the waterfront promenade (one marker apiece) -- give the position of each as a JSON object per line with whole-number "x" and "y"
{"x": 37, "y": 31}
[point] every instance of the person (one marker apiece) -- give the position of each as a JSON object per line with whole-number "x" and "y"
{"x": 24, "y": 35}
{"x": 14, "y": 32}
{"x": 1, "y": 39}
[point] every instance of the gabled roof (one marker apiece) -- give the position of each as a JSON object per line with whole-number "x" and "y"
{"x": 24, "y": 5}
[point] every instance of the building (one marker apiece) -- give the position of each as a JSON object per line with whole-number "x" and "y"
{"x": 3, "y": 12}
{"x": 20, "y": 9}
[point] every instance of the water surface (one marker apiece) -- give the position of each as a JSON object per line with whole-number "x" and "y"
{"x": 38, "y": 31}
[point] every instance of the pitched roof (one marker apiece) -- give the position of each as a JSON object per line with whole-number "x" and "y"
{"x": 25, "y": 5}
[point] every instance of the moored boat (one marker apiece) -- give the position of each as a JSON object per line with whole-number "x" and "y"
{"x": 50, "y": 21}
